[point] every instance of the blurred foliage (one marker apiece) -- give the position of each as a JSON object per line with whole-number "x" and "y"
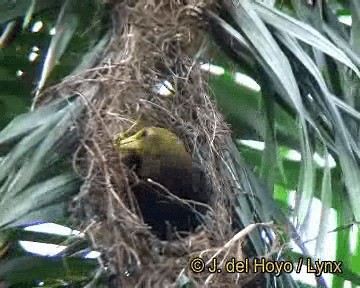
{"x": 23, "y": 56}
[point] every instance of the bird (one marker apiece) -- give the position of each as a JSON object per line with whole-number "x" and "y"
{"x": 166, "y": 168}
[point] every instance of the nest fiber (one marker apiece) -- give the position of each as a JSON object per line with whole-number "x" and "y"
{"x": 155, "y": 46}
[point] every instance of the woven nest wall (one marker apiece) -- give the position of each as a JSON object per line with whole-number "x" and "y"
{"x": 152, "y": 42}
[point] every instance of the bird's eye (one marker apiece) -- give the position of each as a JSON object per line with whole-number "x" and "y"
{"x": 144, "y": 133}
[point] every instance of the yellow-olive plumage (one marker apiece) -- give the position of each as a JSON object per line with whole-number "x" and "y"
{"x": 158, "y": 154}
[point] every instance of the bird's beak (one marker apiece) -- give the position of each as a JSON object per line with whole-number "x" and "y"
{"x": 129, "y": 144}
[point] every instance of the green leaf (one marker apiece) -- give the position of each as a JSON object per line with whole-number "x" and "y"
{"x": 27, "y": 206}
{"x": 303, "y": 32}
{"x": 65, "y": 29}
{"x": 28, "y": 269}
{"x": 12, "y": 9}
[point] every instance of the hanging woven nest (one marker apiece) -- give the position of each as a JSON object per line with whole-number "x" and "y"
{"x": 152, "y": 43}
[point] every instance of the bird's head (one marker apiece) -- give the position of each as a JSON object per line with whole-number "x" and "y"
{"x": 151, "y": 148}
